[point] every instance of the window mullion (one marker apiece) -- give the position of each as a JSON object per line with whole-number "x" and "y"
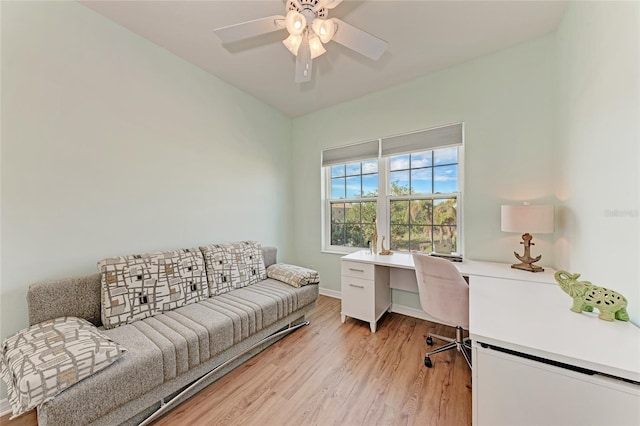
{"x": 383, "y": 201}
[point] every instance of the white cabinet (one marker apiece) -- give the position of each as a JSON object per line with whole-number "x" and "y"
{"x": 365, "y": 292}
{"x": 512, "y": 390}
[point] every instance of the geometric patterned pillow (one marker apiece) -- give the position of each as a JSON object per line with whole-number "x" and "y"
{"x": 139, "y": 286}
{"x": 253, "y": 261}
{"x": 41, "y": 361}
{"x": 296, "y": 276}
{"x": 233, "y": 265}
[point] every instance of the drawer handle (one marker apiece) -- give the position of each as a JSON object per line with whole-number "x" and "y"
{"x": 356, "y": 285}
{"x": 357, "y": 270}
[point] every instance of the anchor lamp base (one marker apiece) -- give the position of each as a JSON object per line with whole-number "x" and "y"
{"x": 526, "y": 261}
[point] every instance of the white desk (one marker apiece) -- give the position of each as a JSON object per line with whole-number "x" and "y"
{"x": 535, "y": 320}
{"x": 466, "y": 267}
{"x": 368, "y": 278}
{"x": 521, "y": 328}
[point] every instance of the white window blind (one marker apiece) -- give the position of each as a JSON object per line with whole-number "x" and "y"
{"x": 424, "y": 140}
{"x": 350, "y": 153}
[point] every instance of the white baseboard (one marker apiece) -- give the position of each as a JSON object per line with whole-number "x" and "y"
{"x": 5, "y": 407}
{"x": 416, "y": 313}
{"x": 410, "y": 312}
{"x": 330, "y": 293}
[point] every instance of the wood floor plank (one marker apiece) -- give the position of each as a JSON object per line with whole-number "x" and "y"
{"x": 329, "y": 373}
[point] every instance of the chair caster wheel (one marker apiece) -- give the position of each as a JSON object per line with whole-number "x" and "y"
{"x": 429, "y": 341}
{"x": 427, "y": 362}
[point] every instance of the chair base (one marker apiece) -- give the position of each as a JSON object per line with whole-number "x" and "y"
{"x": 459, "y": 342}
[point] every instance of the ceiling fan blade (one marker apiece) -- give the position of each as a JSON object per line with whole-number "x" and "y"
{"x": 303, "y": 63}
{"x": 330, "y": 4}
{"x": 249, "y": 29}
{"x": 358, "y": 40}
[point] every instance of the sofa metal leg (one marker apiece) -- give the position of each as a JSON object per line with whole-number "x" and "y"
{"x": 166, "y": 405}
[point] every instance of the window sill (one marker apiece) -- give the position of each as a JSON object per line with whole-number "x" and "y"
{"x": 341, "y": 253}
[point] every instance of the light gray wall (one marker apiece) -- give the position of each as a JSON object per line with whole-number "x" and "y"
{"x": 506, "y": 102}
{"x": 598, "y": 133}
{"x": 112, "y": 146}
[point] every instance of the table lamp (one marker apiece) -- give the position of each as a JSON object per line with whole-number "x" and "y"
{"x": 527, "y": 218}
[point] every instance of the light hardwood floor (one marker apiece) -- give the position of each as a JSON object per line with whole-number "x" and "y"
{"x": 330, "y": 373}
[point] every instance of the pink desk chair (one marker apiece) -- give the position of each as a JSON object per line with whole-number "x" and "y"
{"x": 444, "y": 295}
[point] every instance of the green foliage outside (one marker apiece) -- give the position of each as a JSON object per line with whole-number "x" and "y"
{"x": 418, "y": 225}
{"x": 352, "y": 224}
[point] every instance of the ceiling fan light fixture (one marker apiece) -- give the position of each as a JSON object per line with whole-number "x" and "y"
{"x": 324, "y": 28}
{"x": 315, "y": 46}
{"x": 293, "y": 43}
{"x": 309, "y": 29}
{"x": 295, "y": 22}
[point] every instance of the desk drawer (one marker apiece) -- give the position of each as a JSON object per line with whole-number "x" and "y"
{"x": 358, "y": 298}
{"x": 358, "y": 270}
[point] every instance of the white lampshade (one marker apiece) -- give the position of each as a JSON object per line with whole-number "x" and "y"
{"x": 526, "y": 218}
{"x": 295, "y": 22}
{"x": 324, "y": 28}
{"x": 315, "y": 46}
{"x": 293, "y": 43}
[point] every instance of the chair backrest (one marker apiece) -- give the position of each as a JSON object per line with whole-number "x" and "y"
{"x": 444, "y": 294}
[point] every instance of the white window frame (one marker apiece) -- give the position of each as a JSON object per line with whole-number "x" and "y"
{"x": 458, "y": 195}
{"x": 383, "y": 207}
{"x": 326, "y": 211}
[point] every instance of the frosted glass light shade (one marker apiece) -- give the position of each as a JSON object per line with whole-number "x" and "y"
{"x": 293, "y": 43}
{"x": 324, "y": 28}
{"x": 534, "y": 219}
{"x": 295, "y": 22}
{"x": 315, "y": 46}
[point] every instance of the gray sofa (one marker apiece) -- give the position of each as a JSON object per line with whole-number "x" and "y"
{"x": 166, "y": 352}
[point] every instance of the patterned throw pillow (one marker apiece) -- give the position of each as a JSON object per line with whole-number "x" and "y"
{"x": 296, "y": 276}
{"x": 233, "y": 265}
{"x": 41, "y": 361}
{"x": 139, "y": 286}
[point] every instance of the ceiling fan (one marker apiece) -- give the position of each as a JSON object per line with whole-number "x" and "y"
{"x": 309, "y": 29}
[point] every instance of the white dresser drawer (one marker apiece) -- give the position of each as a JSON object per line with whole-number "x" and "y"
{"x": 358, "y": 270}
{"x": 358, "y": 298}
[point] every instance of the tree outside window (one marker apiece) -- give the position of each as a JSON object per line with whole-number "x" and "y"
{"x": 354, "y": 192}
{"x": 423, "y": 201}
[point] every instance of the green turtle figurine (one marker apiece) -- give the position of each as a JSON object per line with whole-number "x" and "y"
{"x": 586, "y": 296}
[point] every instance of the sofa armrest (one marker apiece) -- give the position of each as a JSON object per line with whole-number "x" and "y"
{"x": 76, "y": 297}
{"x": 270, "y": 255}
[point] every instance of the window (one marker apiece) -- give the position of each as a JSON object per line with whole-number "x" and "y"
{"x": 411, "y": 183}
{"x": 423, "y": 189}
{"x": 353, "y": 201}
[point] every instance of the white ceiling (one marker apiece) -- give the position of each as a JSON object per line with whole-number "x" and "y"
{"x": 423, "y": 36}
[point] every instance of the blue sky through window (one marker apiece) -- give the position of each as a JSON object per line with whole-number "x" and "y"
{"x": 445, "y": 179}
{"x": 425, "y": 173}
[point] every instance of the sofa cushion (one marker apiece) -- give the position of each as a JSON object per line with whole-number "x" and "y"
{"x": 233, "y": 265}
{"x": 296, "y": 276}
{"x": 270, "y": 300}
{"x": 140, "y": 286}
{"x": 41, "y": 361}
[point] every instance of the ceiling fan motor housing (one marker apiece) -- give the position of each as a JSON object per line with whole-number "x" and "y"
{"x": 309, "y": 8}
